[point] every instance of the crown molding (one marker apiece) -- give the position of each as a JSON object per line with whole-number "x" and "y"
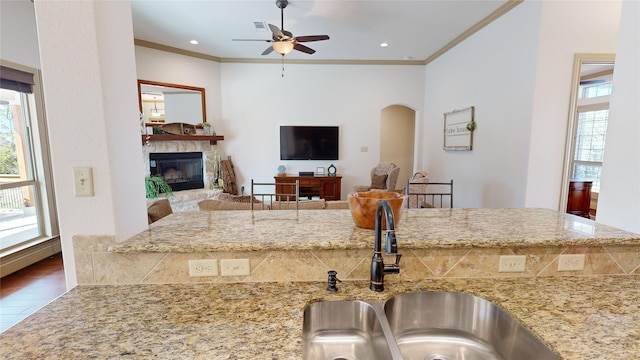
{"x": 510, "y": 4}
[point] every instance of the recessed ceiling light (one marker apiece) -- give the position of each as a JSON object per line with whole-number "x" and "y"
{"x": 384, "y": 44}
{"x": 407, "y": 58}
{"x": 194, "y": 42}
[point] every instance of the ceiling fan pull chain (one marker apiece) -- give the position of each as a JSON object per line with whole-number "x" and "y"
{"x": 282, "y": 65}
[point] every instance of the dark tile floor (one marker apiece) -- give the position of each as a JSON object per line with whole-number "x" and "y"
{"x": 26, "y": 291}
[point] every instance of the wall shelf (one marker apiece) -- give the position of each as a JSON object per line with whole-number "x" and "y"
{"x": 212, "y": 139}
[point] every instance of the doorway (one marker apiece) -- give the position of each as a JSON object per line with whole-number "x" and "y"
{"x": 586, "y": 135}
{"x": 397, "y": 140}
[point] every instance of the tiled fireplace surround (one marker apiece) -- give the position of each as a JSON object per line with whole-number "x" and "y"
{"x": 188, "y": 199}
{"x": 95, "y": 265}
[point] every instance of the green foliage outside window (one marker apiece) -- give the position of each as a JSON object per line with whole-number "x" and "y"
{"x": 8, "y": 157}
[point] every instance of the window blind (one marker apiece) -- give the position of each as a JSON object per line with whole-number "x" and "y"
{"x": 12, "y": 79}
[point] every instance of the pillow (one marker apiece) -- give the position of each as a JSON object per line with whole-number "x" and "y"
{"x": 237, "y": 198}
{"x": 302, "y": 205}
{"x": 379, "y": 182}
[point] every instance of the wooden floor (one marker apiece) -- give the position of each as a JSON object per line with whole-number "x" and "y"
{"x": 26, "y": 291}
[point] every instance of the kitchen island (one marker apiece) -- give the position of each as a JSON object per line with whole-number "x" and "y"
{"x": 578, "y": 317}
{"x": 137, "y": 301}
{"x": 202, "y": 231}
{"x": 286, "y": 245}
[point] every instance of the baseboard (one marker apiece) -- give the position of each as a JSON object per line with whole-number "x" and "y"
{"x": 21, "y": 259}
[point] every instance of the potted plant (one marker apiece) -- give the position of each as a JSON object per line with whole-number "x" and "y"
{"x": 206, "y": 127}
{"x": 155, "y": 185}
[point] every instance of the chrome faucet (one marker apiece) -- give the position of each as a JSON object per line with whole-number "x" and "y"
{"x": 378, "y": 268}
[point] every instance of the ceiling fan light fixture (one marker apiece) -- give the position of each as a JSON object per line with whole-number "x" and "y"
{"x": 283, "y": 47}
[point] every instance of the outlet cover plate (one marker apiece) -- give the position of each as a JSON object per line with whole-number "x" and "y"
{"x": 512, "y": 263}
{"x": 204, "y": 267}
{"x": 571, "y": 262}
{"x": 235, "y": 267}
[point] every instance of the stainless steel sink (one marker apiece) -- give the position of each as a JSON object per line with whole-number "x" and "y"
{"x": 338, "y": 330}
{"x": 418, "y": 325}
{"x": 448, "y": 326}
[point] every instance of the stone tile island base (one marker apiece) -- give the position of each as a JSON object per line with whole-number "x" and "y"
{"x": 97, "y": 263}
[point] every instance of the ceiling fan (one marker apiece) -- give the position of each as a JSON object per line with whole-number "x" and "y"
{"x": 283, "y": 41}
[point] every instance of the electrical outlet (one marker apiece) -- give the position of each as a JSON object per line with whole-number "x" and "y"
{"x": 512, "y": 263}
{"x": 571, "y": 262}
{"x": 83, "y": 181}
{"x": 235, "y": 267}
{"x": 208, "y": 267}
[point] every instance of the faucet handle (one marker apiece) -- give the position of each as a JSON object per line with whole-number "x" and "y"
{"x": 331, "y": 281}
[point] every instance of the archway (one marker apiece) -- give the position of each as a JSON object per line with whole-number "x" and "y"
{"x": 397, "y": 139}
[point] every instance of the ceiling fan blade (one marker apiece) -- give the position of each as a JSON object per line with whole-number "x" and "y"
{"x": 303, "y": 48}
{"x": 312, "y": 38}
{"x": 287, "y": 33}
{"x": 267, "y": 51}
{"x": 276, "y": 31}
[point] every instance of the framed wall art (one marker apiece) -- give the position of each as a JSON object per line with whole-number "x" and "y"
{"x": 458, "y": 129}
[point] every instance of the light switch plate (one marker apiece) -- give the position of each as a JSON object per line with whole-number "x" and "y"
{"x": 235, "y": 267}
{"x": 83, "y": 181}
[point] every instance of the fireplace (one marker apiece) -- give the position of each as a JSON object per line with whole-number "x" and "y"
{"x": 181, "y": 170}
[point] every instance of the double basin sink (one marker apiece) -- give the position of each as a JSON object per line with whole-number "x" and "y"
{"x": 417, "y": 325}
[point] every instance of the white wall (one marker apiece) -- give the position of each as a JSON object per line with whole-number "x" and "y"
{"x": 517, "y": 72}
{"x": 89, "y": 82}
{"x": 493, "y": 70}
{"x": 566, "y": 28}
{"x": 18, "y": 37}
{"x": 256, "y": 100}
{"x": 619, "y": 200}
{"x": 172, "y": 68}
{"x": 248, "y": 102}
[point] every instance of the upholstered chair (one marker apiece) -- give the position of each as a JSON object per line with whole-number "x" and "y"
{"x": 158, "y": 209}
{"x": 416, "y": 186}
{"x": 383, "y": 177}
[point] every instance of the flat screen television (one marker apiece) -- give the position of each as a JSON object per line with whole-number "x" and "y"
{"x": 308, "y": 143}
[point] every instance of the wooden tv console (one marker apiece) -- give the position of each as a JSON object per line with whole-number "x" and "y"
{"x": 324, "y": 186}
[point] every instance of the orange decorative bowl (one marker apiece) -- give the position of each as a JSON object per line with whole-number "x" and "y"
{"x": 363, "y": 206}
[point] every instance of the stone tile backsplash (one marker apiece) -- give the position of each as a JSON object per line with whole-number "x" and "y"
{"x": 95, "y": 265}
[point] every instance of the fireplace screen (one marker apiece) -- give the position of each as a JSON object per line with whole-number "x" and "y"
{"x": 182, "y": 171}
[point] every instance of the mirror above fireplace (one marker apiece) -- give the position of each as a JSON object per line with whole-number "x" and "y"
{"x": 168, "y": 103}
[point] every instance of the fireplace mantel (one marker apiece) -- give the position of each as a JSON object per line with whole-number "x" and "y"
{"x": 212, "y": 139}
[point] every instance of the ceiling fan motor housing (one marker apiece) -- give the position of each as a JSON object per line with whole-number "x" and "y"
{"x": 283, "y": 41}
{"x": 281, "y": 4}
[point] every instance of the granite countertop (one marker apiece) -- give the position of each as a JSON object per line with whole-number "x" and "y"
{"x": 578, "y": 317}
{"x": 202, "y": 231}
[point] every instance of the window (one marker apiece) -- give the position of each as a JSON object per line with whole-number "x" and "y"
{"x": 26, "y": 201}
{"x": 591, "y": 132}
